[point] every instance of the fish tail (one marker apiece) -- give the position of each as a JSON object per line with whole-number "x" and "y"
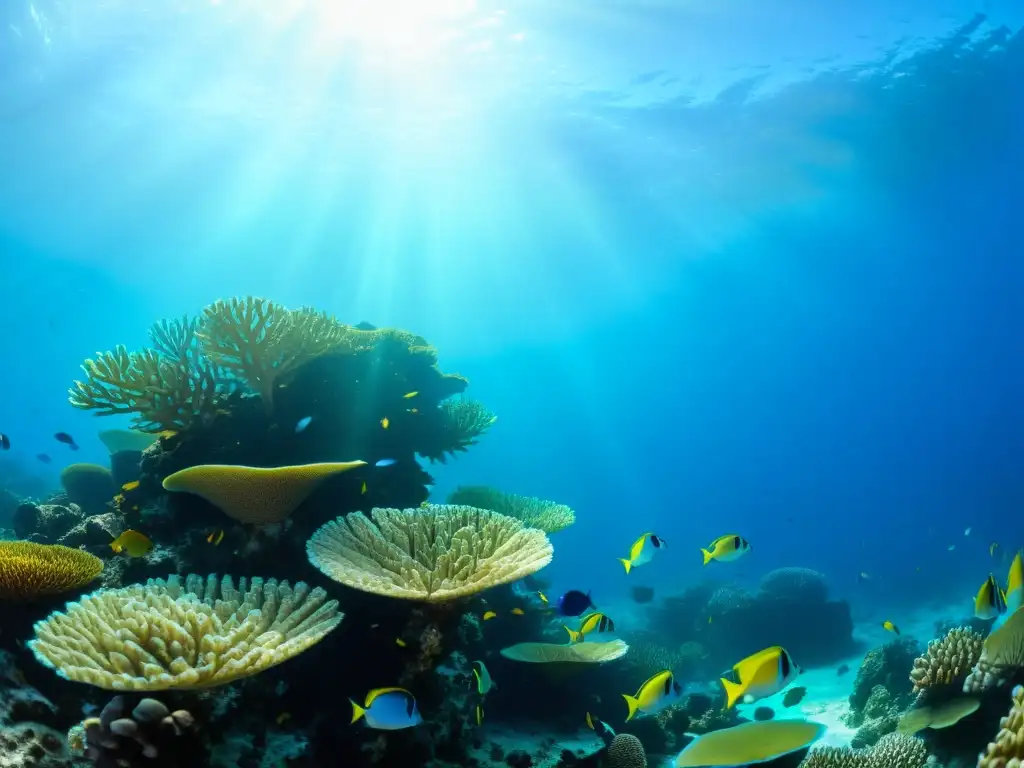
{"x": 733, "y": 692}
{"x": 634, "y": 705}
{"x": 357, "y": 711}
{"x": 626, "y": 564}
{"x": 707, "y": 556}
{"x": 572, "y": 634}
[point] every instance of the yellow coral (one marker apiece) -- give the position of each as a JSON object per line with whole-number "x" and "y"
{"x": 166, "y": 635}
{"x": 1007, "y": 751}
{"x": 255, "y": 495}
{"x": 948, "y": 660}
{"x": 29, "y": 570}
{"x": 436, "y": 553}
{"x": 549, "y": 516}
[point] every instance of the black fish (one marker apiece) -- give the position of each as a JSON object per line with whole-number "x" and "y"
{"x": 68, "y": 440}
{"x": 574, "y": 602}
{"x": 794, "y": 696}
{"x": 763, "y": 713}
{"x": 44, "y": 458}
{"x": 642, "y": 594}
{"x": 843, "y": 669}
{"x": 5, "y": 443}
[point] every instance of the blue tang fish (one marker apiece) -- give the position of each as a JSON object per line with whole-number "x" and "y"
{"x": 388, "y": 709}
{"x": 574, "y": 602}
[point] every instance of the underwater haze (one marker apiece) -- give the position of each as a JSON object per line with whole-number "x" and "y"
{"x": 717, "y": 266}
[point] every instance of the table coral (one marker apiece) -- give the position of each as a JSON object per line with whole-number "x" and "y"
{"x": 548, "y": 516}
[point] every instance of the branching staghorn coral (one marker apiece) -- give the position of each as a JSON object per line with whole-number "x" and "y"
{"x": 166, "y": 635}
{"x": 435, "y": 553}
{"x": 1007, "y": 751}
{"x": 893, "y": 750}
{"x": 549, "y": 516}
{"x": 947, "y": 661}
{"x": 29, "y": 570}
{"x": 243, "y": 344}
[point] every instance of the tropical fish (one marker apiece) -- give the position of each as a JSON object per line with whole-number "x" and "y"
{"x": 601, "y": 728}
{"x": 990, "y": 602}
{"x": 641, "y": 594}
{"x": 1014, "y": 590}
{"x": 642, "y": 551}
{"x": 574, "y": 602}
{"x": 889, "y": 626}
{"x": 302, "y": 423}
{"x": 386, "y": 462}
{"x": 5, "y": 443}
{"x": 130, "y": 486}
{"x": 363, "y": 489}
{"x": 726, "y": 548}
{"x": 388, "y": 709}
{"x": 409, "y": 395}
{"x": 749, "y": 743}
{"x": 657, "y": 692}
{"x": 489, "y": 615}
{"x": 44, "y": 458}
{"x": 595, "y": 622}
{"x": 479, "y": 714}
{"x": 992, "y": 548}
{"x": 400, "y": 642}
{"x": 518, "y": 611}
{"x": 543, "y": 597}
{"x": 68, "y": 440}
{"x": 794, "y": 696}
{"x": 842, "y": 669}
{"x": 385, "y": 422}
{"x": 215, "y": 538}
{"x": 484, "y": 683}
{"x": 967, "y": 531}
{"x": 132, "y": 542}
{"x": 764, "y": 673}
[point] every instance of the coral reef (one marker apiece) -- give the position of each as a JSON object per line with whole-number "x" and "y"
{"x": 885, "y": 666}
{"x": 947, "y": 661}
{"x": 892, "y": 751}
{"x": 90, "y": 486}
{"x": 30, "y": 745}
{"x": 549, "y": 516}
{"x": 1002, "y": 656}
{"x": 626, "y": 751}
{"x": 29, "y": 570}
{"x": 1007, "y": 749}
{"x": 435, "y": 553}
{"x": 167, "y": 635}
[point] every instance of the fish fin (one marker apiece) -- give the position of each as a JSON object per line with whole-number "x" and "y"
{"x": 574, "y": 636}
{"x": 1013, "y": 600}
{"x": 633, "y": 703}
{"x": 707, "y": 556}
{"x": 733, "y": 692}
{"x": 626, "y": 564}
{"x": 357, "y": 711}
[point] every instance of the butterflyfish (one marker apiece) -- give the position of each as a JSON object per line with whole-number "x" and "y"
{"x": 990, "y": 602}
{"x": 387, "y": 709}
{"x": 130, "y": 486}
{"x": 763, "y": 674}
{"x": 642, "y": 551}
{"x": 747, "y": 743}
{"x": 132, "y": 542}
{"x": 1015, "y": 584}
{"x": 484, "y": 683}
{"x": 215, "y": 538}
{"x": 726, "y": 548}
{"x": 601, "y": 728}
{"x": 489, "y": 615}
{"x": 595, "y": 622}
{"x": 384, "y": 422}
{"x": 657, "y": 692}
{"x": 890, "y": 627}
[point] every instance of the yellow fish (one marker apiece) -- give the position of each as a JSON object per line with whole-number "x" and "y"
{"x": 642, "y": 551}
{"x": 384, "y": 422}
{"x": 726, "y": 548}
{"x": 408, "y": 395}
{"x": 400, "y": 642}
{"x": 130, "y": 486}
{"x": 595, "y": 622}
{"x": 489, "y": 615}
{"x": 764, "y": 673}
{"x": 990, "y": 602}
{"x": 364, "y": 487}
{"x": 215, "y": 538}
{"x": 889, "y": 626}
{"x": 543, "y": 597}
{"x": 132, "y": 542}
{"x": 167, "y": 434}
{"x": 479, "y": 714}
{"x": 484, "y": 683}
{"x": 655, "y": 694}
{"x": 518, "y": 611}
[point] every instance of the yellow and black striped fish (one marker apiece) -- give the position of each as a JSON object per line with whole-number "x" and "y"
{"x": 595, "y": 622}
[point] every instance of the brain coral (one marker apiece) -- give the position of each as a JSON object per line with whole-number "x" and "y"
{"x": 626, "y": 751}
{"x": 164, "y": 635}
{"x": 435, "y": 553}
{"x": 801, "y": 584}
{"x": 29, "y": 570}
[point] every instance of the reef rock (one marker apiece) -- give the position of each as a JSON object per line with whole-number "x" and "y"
{"x": 45, "y": 522}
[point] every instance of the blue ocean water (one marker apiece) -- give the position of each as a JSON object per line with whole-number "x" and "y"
{"x": 718, "y": 267}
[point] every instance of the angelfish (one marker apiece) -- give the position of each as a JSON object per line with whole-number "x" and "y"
{"x": 990, "y": 602}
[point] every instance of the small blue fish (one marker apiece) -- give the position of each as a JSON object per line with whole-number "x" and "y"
{"x": 386, "y": 462}
{"x": 574, "y": 602}
{"x": 303, "y": 423}
{"x": 388, "y": 709}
